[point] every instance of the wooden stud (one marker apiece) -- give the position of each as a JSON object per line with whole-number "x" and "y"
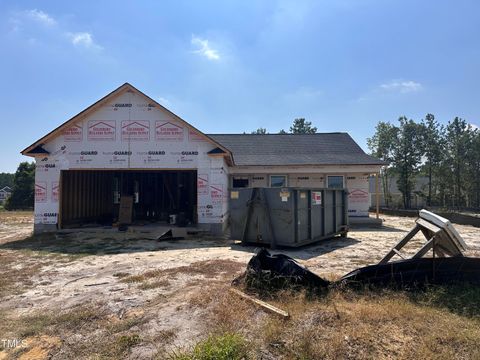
{"x": 377, "y": 195}
{"x": 261, "y": 303}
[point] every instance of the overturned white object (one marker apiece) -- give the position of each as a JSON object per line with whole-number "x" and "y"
{"x": 442, "y": 238}
{"x": 446, "y": 225}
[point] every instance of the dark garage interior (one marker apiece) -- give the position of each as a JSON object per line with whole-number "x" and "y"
{"x": 92, "y": 197}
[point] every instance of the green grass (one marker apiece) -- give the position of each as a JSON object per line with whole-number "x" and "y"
{"x": 125, "y": 342}
{"x": 227, "y": 346}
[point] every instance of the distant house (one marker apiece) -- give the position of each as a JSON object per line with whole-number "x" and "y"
{"x": 5, "y": 193}
{"x": 396, "y": 197}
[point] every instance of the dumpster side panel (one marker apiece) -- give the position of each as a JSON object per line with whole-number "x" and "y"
{"x": 317, "y": 200}
{"x": 329, "y": 212}
{"x": 282, "y": 205}
{"x": 238, "y": 211}
{"x": 303, "y": 215}
{"x": 297, "y": 216}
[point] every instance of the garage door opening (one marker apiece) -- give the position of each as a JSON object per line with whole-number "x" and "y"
{"x": 93, "y": 197}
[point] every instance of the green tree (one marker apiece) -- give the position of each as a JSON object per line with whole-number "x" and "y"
{"x": 407, "y": 155}
{"x": 6, "y": 179}
{"x": 381, "y": 145}
{"x": 260, "y": 131}
{"x": 23, "y": 187}
{"x": 300, "y": 126}
{"x": 282, "y": 132}
{"x": 459, "y": 136}
{"x": 433, "y": 145}
{"x": 474, "y": 167}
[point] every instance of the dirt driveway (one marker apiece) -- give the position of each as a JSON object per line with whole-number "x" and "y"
{"x": 159, "y": 282}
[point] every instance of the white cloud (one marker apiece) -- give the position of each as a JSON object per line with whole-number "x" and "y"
{"x": 84, "y": 39}
{"x": 41, "y": 16}
{"x": 21, "y": 24}
{"x": 163, "y": 101}
{"x": 402, "y": 86}
{"x": 203, "y": 48}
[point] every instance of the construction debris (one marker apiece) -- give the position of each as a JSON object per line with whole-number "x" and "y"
{"x": 442, "y": 238}
{"x": 261, "y": 303}
{"x": 417, "y": 272}
{"x": 168, "y": 235}
{"x": 280, "y": 271}
{"x": 446, "y": 265}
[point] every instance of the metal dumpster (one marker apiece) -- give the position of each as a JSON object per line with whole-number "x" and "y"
{"x": 287, "y": 216}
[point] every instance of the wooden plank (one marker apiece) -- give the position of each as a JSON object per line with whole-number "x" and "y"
{"x": 261, "y": 303}
{"x": 429, "y": 226}
{"x": 377, "y": 196}
{"x": 425, "y": 248}
{"x": 400, "y": 244}
{"x": 60, "y": 200}
{"x": 125, "y": 212}
{"x": 398, "y": 253}
{"x": 445, "y": 241}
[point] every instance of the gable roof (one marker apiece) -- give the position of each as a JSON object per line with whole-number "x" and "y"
{"x": 294, "y": 149}
{"x": 33, "y": 149}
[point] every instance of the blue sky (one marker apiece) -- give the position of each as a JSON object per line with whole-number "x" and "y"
{"x": 234, "y": 66}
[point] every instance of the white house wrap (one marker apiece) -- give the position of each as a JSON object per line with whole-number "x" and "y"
{"x": 129, "y": 138}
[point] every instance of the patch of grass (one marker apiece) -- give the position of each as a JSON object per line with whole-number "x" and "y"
{"x": 207, "y": 268}
{"x": 125, "y": 342}
{"x": 154, "y": 285}
{"x": 121, "y": 275}
{"x": 97, "y": 334}
{"x": 125, "y": 325}
{"x": 52, "y": 323}
{"x": 17, "y": 272}
{"x": 228, "y": 346}
{"x": 437, "y": 323}
{"x": 165, "y": 336}
{"x": 226, "y": 312}
{"x": 459, "y": 299}
{"x": 134, "y": 279}
{"x": 34, "y": 325}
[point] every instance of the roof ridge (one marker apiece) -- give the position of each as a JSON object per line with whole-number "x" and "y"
{"x": 318, "y": 133}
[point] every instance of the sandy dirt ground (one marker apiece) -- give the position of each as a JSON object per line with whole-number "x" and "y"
{"x": 64, "y": 271}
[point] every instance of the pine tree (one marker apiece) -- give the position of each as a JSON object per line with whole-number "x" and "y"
{"x": 23, "y": 187}
{"x": 407, "y": 155}
{"x": 300, "y": 126}
{"x": 381, "y": 145}
{"x": 433, "y": 150}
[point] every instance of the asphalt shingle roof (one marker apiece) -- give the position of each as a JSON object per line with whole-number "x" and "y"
{"x": 289, "y": 149}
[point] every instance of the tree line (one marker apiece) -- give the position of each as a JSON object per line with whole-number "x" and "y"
{"x": 6, "y": 179}
{"x": 23, "y": 186}
{"x": 299, "y": 126}
{"x": 447, "y": 155}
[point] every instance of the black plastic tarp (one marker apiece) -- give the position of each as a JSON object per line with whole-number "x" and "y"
{"x": 280, "y": 271}
{"x": 418, "y": 272}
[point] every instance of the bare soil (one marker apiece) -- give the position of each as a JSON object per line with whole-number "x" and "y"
{"x": 121, "y": 295}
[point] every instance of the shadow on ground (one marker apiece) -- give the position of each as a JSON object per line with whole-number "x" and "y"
{"x": 382, "y": 228}
{"x": 111, "y": 244}
{"x": 307, "y": 251}
{"x": 103, "y": 244}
